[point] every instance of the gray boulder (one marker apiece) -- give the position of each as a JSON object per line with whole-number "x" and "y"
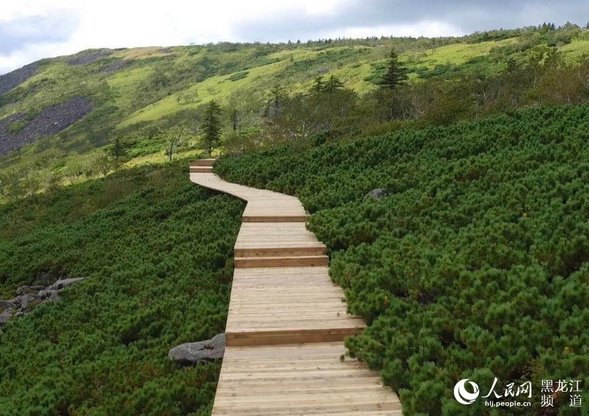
{"x": 53, "y": 297}
{"x": 199, "y": 352}
{"x": 29, "y": 296}
{"x": 45, "y": 294}
{"x": 377, "y": 193}
{"x": 63, "y": 283}
{"x": 24, "y": 301}
{"x": 7, "y": 304}
{"x": 5, "y": 316}
{"x": 25, "y": 290}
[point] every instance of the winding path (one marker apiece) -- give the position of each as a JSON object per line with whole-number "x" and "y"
{"x": 287, "y": 320}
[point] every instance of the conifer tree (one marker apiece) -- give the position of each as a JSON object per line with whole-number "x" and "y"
{"x": 118, "y": 149}
{"x": 333, "y": 84}
{"x": 211, "y": 126}
{"x": 318, "y": 84}
{"x": 396, "y": 73}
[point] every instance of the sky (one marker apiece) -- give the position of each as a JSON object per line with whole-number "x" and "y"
{"x": 35, "y": 29}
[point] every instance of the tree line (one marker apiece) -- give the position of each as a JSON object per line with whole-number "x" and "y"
{"x": 330, "y": 110}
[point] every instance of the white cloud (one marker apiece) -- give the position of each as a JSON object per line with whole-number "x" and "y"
{"x": 424, "y": 28}
{"x": 30, "y": 53}
{"x": 131, "y": 23}
{"x": 18, "y": 9}
{"x": 321, "y": 8}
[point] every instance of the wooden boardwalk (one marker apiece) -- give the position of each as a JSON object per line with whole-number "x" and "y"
{"x": 287, "y": 320}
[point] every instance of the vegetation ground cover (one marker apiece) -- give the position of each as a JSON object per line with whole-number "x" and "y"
{"x": 157, "y": 254}
{"x": 476, "y": 263}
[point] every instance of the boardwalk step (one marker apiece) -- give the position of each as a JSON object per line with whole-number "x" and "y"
{"x": 201, "y": 169}
{"x": 246, "y": 262}
{"x": 274, "y": 218}
{"x": 281, "y": 252}
{"x": 203, "y": 162}
{"x": 289, "y": 336}
{"x": 300, "y": 379}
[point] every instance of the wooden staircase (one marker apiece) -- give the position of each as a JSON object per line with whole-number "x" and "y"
{"x": 278, "y": 244}
{"x": 202, "y": 166}
{"x": 287, "y": 320}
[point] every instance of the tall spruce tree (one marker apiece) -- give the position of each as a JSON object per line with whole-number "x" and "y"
{"x": 211, "y": 126}
{"x": 396, "y": 73}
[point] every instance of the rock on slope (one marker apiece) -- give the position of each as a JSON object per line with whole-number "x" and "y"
{"x": 15, "y": 78}
{"x": 50, "y": 120}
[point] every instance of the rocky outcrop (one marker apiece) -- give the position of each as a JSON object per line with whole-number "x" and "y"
{"x": 199, "y": 352}
{"x": 89, "y": 56}
{"x": 15, "y": 78}
{"x": 63, "y": 283}
{"x": 49, "y": 121}
{"x": 114, "y": 66}
{"x": 29, "y": 296}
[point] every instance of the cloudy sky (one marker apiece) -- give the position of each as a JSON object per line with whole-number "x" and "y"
{"x": 34, "y": 29}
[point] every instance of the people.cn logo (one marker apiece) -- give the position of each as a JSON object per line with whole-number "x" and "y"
{"x": 462, "y": 395}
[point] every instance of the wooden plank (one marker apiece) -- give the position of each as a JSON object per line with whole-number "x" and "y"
{"x": 260, "y": 202}
{"x": 287, "y": 299}
{"x": 268, "y": 236}
{"x": 203, "y": 162}
{"x": 300, "y": 379}
{"x": 203, "y": 169}
{"x": 296, "y": 335}
{"x": 274, "y": 218}
{"x": 280, "y": 251}
{"x": 287, "y": 320}
{"x": 300, "y": 261}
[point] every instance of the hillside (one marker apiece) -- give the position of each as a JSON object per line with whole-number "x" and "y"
{"x": 475, "y": 262}
{"x": 71, "y": 107}
{"x": 156, "y": 253}
{"x": 470, "y": 259}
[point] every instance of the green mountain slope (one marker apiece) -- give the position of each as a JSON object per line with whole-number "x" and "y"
{"x": 133, "y": 92}
{"x": 476, "y": 262}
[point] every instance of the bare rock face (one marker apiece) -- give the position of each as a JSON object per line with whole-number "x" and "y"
{"x": 15, "y": 78}
{"x": 199, "y": 352}
{"x": 49, "y": 121}
{"x": 89, "y": 56}
{"x": 114, "y": 66}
